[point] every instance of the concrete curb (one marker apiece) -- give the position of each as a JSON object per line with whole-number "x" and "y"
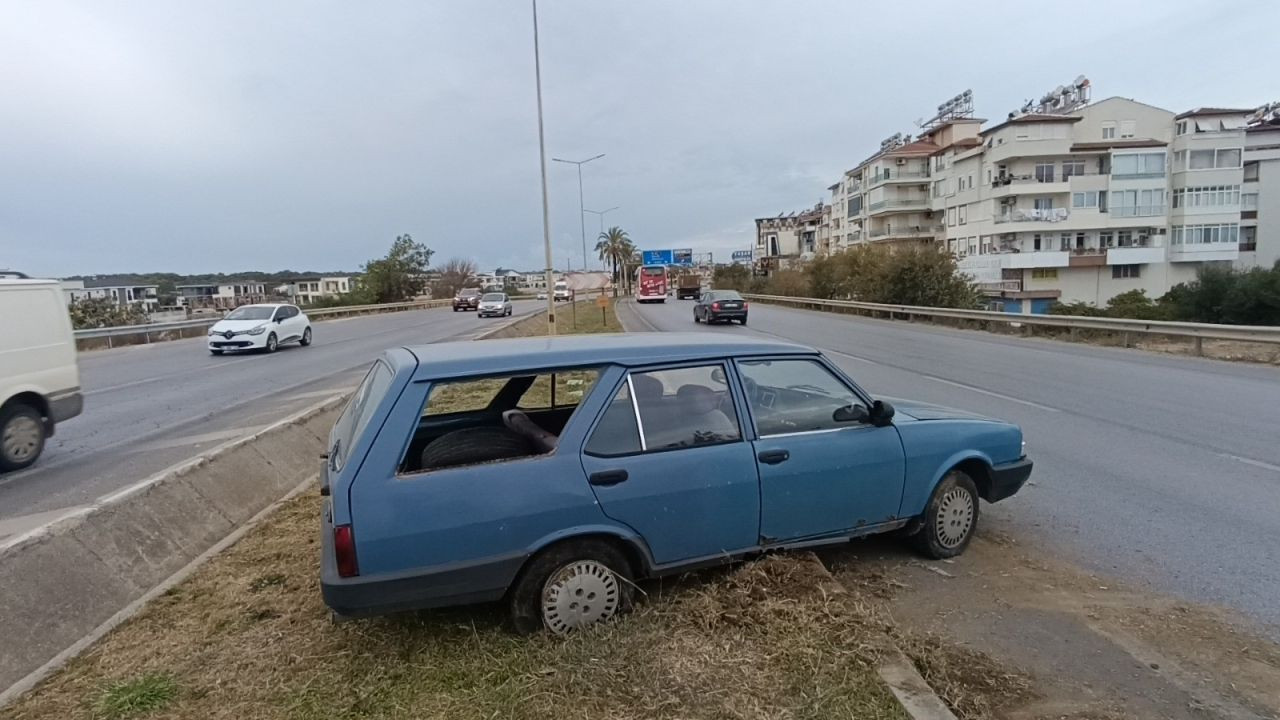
{"x": 68, "y": 582}
{"x": 910, "y": 688}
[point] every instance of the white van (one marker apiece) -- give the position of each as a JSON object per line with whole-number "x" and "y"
{"x": 39, "y": 379}
{"x": 562, "y": 291}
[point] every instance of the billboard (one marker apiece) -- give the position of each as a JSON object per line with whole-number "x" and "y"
{"x": 741, "y": 255}
{"x": 656, "y": 257}
{"x": 682, "y": 257}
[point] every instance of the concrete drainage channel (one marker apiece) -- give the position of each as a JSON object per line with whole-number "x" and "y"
{"x": 70, "y": 582}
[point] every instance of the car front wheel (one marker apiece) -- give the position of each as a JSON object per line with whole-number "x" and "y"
{"x": 570, "y": 586}
{"x": 950, "y": 519}
{"x": 21, "y": 436}
{"x": 272, "y": 343}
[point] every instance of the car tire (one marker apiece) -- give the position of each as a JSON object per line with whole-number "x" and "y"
{"x": 474, "y": 445}
{"x": 215, "y": 352}
{"x": 559, "y": 589}
{"x": 950, "y": 519}
{"x": 273, "y": 343}
{"x": 695, "y": 317}
{"x": 743, "y": 321}
{"x": 306, "y": 338}
{"x": 22, "y": 435}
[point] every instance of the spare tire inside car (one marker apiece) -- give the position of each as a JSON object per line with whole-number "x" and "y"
{"x": 475, "y": 445}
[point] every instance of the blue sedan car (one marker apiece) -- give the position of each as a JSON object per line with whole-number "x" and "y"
{"x": 552, "y": 472}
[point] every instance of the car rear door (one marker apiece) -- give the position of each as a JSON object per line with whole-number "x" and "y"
{"x": 667, "y": 457}
{"x": 818, "y": 476}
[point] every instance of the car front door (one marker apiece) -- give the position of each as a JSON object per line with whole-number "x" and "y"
{"x": 818, "y": 475}
{"x": 667, "y": 457}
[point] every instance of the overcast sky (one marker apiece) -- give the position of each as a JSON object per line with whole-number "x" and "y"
{"x": 235, "y": 135}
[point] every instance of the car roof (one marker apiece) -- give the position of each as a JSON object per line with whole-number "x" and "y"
{"x": 493, "y": 357}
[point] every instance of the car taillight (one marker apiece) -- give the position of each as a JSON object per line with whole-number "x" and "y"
{"x": 344, "y": 550}
{"x": 744, "y": 304}
{"x": 715, "y": 306}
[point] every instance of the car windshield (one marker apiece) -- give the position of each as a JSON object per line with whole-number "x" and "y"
{"x": 251, "y": 312}
{"x": 468, "y": 292}
{"x": 494, "y": 297}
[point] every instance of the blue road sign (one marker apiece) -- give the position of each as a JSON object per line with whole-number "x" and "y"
{"x": 741, "y": 254}
{"x": 682, "y": 257}
{"x": 657, "y": 257}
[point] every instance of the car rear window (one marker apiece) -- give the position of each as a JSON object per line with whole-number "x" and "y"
{"x": 359, "y": 409}
{"x": 727, "y": 295}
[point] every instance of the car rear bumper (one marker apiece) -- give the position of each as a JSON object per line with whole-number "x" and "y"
{"x": 1008, "y": 479}
{"x": 727, "y": 315}
{"x": 484, "y": 580}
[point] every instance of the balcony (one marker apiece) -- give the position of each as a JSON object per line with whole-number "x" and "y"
{"x": 887, "y": 206}
{"x": 1024, "y": 215}
{"x": 999, "y": 286}
{"x": 905, "y": 231}
{"x": 1204, "y": 252}
{"x": 1003, "y": 185}
{"x": 1087, "y": 257}
{"x": 896, "y": 175}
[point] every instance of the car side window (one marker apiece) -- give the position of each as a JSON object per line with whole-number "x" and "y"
{"x": 683, "y": 407}
{"x": 617, "y": 432}
{"x": 788, "y": 396}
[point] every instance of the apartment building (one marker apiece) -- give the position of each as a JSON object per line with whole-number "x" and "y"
{"x": 894, "y": 205}
{"x": 1260, "y": 189}
{"x": 144, "y": 296}
{"x": 786, "y": 238}
{"x": 222, "y": 296}
{"x": 308, "y": 290}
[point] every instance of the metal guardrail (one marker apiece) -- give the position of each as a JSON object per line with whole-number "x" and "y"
{"x": 156, "y": 328}
{"x": 1197, "y": 331}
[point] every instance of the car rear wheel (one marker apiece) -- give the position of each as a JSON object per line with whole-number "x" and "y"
{"x": 306, "y": 338}
{"x": 21, "y": 437}
{"x": 570, "y": 586}
{"x": 273, "y": 343}
{"x": 950, "y": 519}
{"x": 743, "y": 320}
{"x": 696, "y": 319}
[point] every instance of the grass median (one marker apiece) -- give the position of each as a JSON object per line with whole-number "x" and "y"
{"x": 247, "y": 636}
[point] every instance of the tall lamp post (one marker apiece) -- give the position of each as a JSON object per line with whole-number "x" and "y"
{"x": 602, "y": 213}
{"x": 542, "y": 158}
{"x": 581, "y": 215}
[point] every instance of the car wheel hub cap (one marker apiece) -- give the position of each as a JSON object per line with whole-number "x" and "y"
{"x": 955, "y": 518}
{"x": 21, "y": 438}
{"x": 579, "y": 594}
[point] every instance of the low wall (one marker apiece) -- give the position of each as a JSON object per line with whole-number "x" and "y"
{"x": 62, "y": 581}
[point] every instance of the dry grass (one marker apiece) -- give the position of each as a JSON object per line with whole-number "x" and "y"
{"x": 248, "y": 636}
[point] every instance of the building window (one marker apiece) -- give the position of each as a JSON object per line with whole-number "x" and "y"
{"x": 1248, "y": 239}
{"x": 970, "y": 185}
{"x": 1213, "y": 159}
{"x": 989, "y": 174}
{"x": 1079, "y": 241}
{"x": 1071, "y": 168}
{"x": 1044, "y": 273}
{"x": 951, "y": 216}
{"x": 1215, "y": 196}
{"x": 1104, "y": 239}
{"x": 1064, "y": 242}
{"x": 1036, "y": 243}
{"x": 1044, "y": 172}
{"x": 1251, "y": 171}
{"x": 961, "y": 213}
{"x": 1137, "y": 203}
{"x": 1124, "y": 238}
{"x": 1125, "y": 271}
{"x": 939, "y": 187}
{"x": 1141, "y": 165}
{"x": 1206, "y": 234}
{"x": 1249, "y": 201}
{"x": 1108, "y": 130}
{"x": 1042, "y": 203}
{"x": 1127, "y": 128}
{"x": 1088, "y": 199}
{"x": 1181, "y": 127}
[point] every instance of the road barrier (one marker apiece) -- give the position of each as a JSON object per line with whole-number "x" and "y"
{"x": 1198, "y": 332}
{"x": 185, "y": 328}
{"x": 68, "y": 582}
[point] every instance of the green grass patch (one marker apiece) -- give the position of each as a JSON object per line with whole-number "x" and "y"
{"x": 141, "y": 695}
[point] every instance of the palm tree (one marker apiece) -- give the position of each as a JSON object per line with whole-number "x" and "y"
{"x": 614, "y": 246}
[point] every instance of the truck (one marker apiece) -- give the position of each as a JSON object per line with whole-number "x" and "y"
{"x": 688, "y": 285}
{"x": 562, "y": 293}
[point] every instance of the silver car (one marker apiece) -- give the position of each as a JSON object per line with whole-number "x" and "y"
{"x": 494, "y": 305}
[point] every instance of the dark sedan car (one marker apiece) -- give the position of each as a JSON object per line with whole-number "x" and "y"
{"x": 720, "y": 306}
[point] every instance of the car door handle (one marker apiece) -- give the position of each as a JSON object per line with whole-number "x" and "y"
{"x": 773, "y": 457}
{"x": 607, "y": 477}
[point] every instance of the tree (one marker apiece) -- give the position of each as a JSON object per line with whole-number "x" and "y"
{"x": 104, "y": 312}
{"x": 400, "y": 275}
{"x": 731, "y": 277}
{"x": 455, "y": 274}
{"x": 615, "y": 247}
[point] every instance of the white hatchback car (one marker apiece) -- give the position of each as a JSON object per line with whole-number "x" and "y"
{"x": 260, "y": 327}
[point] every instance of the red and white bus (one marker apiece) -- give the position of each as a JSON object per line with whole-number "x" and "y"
{"x": 651, "y": 283}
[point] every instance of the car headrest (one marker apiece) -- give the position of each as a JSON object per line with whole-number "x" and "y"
{"x": 646, "y": 387}
{"x": 697, "y": 398}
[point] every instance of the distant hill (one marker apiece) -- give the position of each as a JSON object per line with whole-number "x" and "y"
{"x": 172, "y": 279}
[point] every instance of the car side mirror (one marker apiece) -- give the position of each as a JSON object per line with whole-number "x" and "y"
{"x": 881, "y": 413}
{"x": 851, "y": 413}
{"x": 279, "y": 320}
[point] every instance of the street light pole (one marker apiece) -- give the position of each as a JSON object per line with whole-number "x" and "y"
{"x": 581, "y": 214}
{"x": 542, "y": 158}
{"x": 602, "y": 213}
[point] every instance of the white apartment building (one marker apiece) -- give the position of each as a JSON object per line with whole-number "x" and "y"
{"x": 887, "y": 195}
{"x": 144, "y": 296}
{"x": 1260, "y": 190}
{"x": 308, "y": 290}
{"x": 224, "y": 296}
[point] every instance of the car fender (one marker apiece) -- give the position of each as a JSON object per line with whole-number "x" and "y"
{"x": 947, "y": 466}
{"x": 622, "y": 533}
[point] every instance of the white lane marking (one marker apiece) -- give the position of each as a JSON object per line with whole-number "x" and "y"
{"x": 1248, "y": 461}
{"x": 202, "y": 438}
{"x": 23, "y": 523}
{"x": 1020, "y": 401}
{"x": 852, "y": 357}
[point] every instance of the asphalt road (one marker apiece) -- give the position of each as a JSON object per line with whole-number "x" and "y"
{"x": 1156, "y": 468}
{"x": 148, "y": 407}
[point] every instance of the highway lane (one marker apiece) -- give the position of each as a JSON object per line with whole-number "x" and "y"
{"x": 148, "y": 407}
{"x": 1164, "y": 469}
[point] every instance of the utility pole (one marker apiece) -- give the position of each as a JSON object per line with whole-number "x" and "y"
{"x": 582, "y": 221}
{"x": 542, "y": 157}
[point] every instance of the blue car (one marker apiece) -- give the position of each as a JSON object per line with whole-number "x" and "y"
{"x": 552, "y": 472}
